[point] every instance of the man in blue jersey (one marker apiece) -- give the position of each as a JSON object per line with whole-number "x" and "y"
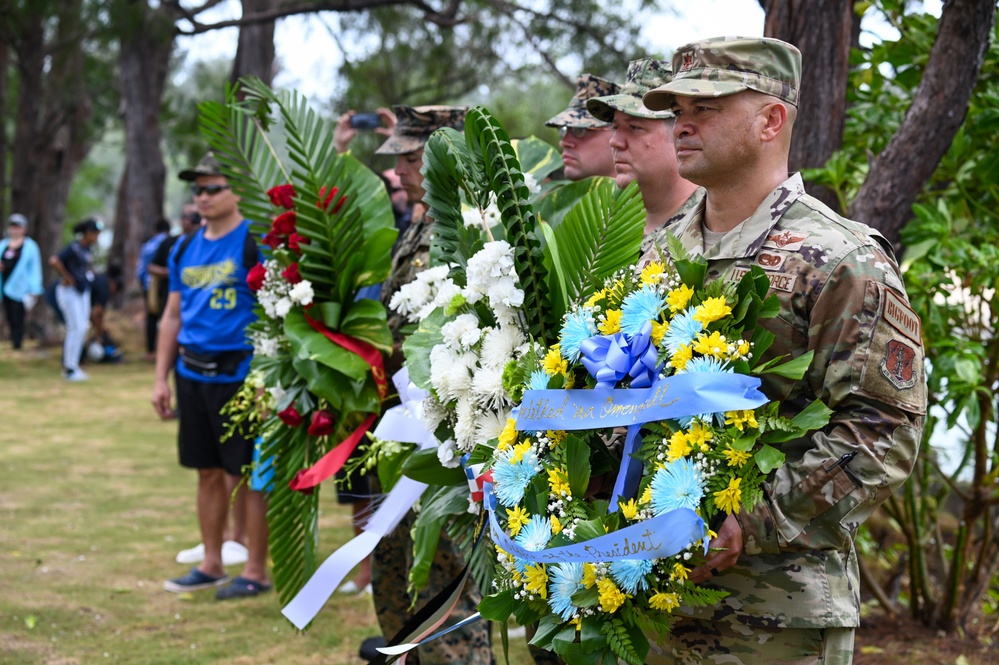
{"x": 203, "y": 333}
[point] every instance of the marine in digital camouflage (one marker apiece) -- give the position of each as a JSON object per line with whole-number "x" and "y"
{"x": 391, "y": 561}
{"x": 643, "y": 75}
{"x": 415, "y": 124}
{"x": 726, "y": 65}
{"x": 587, "y": 87}
{"x": 841, "y": 297}
{"x": 694, "y": 642}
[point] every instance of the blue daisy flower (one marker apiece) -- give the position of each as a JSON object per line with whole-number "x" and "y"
{"x": 682, "y": 331}
{"x": 565, "y": 579}
{"x": 699, "y": 365}
{"x": 533, "y": 536}
{"x": 510, "y": 479}
{"x": 630, "y": 574}
{"x": 538, "y": 380}
{"x": 641, "y": 306}
{"x": 677, "y": 485}
{"x": 578, "y": 327}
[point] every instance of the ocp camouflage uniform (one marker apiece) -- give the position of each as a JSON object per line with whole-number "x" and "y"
{"x": 393, "y": 556}
{"x": 576, "y": 115}
{"x": 841, "y": 297}
{"x": 643, "y": 75}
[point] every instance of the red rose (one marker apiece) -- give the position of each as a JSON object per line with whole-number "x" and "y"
{"x": 284, "y": 224}
{"x": 272, "y": 240}
{"x": 255, "y": 278}
{"x": 282, "y": 195}
{"x": 291, "y": 274}
{"x": 324, "y": 199}
{"x": 290, "y": 416}
{"x": 322, "y": 423}
{"x": 295, "y": 242}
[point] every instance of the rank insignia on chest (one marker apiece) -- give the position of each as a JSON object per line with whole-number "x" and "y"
{"x": 897, "y": 364}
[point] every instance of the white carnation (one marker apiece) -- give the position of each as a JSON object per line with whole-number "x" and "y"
{"x": 282, "y": 307}
{"x": 302, "y": 293}
{"x": 505, "y": 291}
{"x": 445, "y": 453}
{"x": 462, "y": 332}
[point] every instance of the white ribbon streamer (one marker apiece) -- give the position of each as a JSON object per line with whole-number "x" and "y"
{"x": 403, "y": 423}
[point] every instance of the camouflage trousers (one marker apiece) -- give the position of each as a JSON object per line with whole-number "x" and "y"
{"x": 390, "y": 564}
{"x": 692, "y": 641}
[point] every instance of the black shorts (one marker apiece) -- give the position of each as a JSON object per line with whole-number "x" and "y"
{"x": 202, "y": 427}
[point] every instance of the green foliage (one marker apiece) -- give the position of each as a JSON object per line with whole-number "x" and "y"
{"x": 598, "y": 237}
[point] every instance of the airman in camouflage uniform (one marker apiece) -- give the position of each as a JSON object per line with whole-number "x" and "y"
{"x": 642, "y": 145}
{"x": 790, "y": 564}
{"x": 585, "y": 151}
{"x": 393, "y": 556}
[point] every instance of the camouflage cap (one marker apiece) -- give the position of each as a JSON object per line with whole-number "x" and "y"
{"x": 643, "y": 75}
{"x": 726, "y": 65}
{"x": 415, "y": 124}
{"x": 587, "y": 87}
{"x": 207, "y": 166}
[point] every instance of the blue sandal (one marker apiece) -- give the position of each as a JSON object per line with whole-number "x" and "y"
{"x": 195, "y": 580}
{"x": 242, "y": 588}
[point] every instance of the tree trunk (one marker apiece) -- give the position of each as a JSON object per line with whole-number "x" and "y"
{"x": 146, "y": 43}
{"x": 255, "y": 49}
{"x": 4, "y": 146}
{"x": 938, "y": 108}
{"x": 823, "y": 30}
{"x": 50, "y": 136}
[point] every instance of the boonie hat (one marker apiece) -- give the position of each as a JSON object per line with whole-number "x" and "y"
{"x": 415, "y": 124}
{"x": 207, "y": 166}
{"x": 643, "y": 75}
{"x": 17, "y": 219}
{"x": 723, "y": 66}
{"x": 588, "y": 86}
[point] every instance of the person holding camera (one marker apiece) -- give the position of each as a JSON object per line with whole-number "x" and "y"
{"x": 381, "y": 122}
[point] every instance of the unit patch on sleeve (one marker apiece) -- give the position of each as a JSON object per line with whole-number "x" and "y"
{"x": 901, "y": 317}
{"x": 897, "y": 364}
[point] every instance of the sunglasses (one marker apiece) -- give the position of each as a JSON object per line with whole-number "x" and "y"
{"x": 578, "y": 132}
{"x": 211, "y": 190}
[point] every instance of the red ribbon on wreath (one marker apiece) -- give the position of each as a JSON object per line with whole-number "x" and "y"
{"x": 306, "y": 479}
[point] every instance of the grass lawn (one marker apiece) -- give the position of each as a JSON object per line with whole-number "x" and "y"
{"x": 93, "y": 509}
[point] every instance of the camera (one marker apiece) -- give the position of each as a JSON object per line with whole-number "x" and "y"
{"x": 365, "y": 121}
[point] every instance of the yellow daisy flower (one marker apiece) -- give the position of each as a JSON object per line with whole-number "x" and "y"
{"x": 652, "y": 273}
{"x": 554, "y": 362}
{"x": 729, "y": 498}
{"x": 680, "y": 573}
{"x": 664, "y": 602}
{"x": 595, "y": 298}
{"x": 678, "y": 298}
{"x": 659, "y": 329}
{"x": 556, "y": 525}
{"x": 679, "y": 446}
{"x": 682, "y": 357}
{"x": 736, "y": 458}
{"x": 646, "y": 495}
{"x": 558, "y": 481}
{"x": 519, "y": 450}
{"x": 508, "y": 436}
{"x": 537, "y": 579}
{"x": 629, "y": 509}
{"x": 711, "y": 345}
{"x": 516, "y": 518}
{"x": 611, "y": 598}
{"x": 741, "y": 418}
{"x": 589, "y": 575}
{"x": 711, "y": 310}
{"x": 611, "y": 323}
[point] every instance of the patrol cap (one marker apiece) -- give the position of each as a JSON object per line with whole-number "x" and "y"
{"x": 17, "y": 219}
{"x": 723, "y": 66}
{"x": 415, "y": 124}
{"x": 207, "y": 166}
{"x": 643, "y": 75}
{"x": 576, "y": 115}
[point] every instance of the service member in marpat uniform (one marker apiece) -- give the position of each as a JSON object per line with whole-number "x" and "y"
{"x": 641, "y": 142}
{"x": 202, "y": 337}
{"x": 393, "y": 556}
{"x": 790, "y": 565}
{"x": 584, "y": 139}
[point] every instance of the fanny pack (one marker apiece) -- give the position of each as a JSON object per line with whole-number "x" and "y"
{"x": 226, "y": 362}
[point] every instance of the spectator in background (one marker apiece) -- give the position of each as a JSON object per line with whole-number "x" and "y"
{"x": 106, "y": 285}
{"x": 74, "y": 264}
{"x": 20, "y": 275}
{"x": 159, "y": 273}
{"x": 146, "y": 253}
